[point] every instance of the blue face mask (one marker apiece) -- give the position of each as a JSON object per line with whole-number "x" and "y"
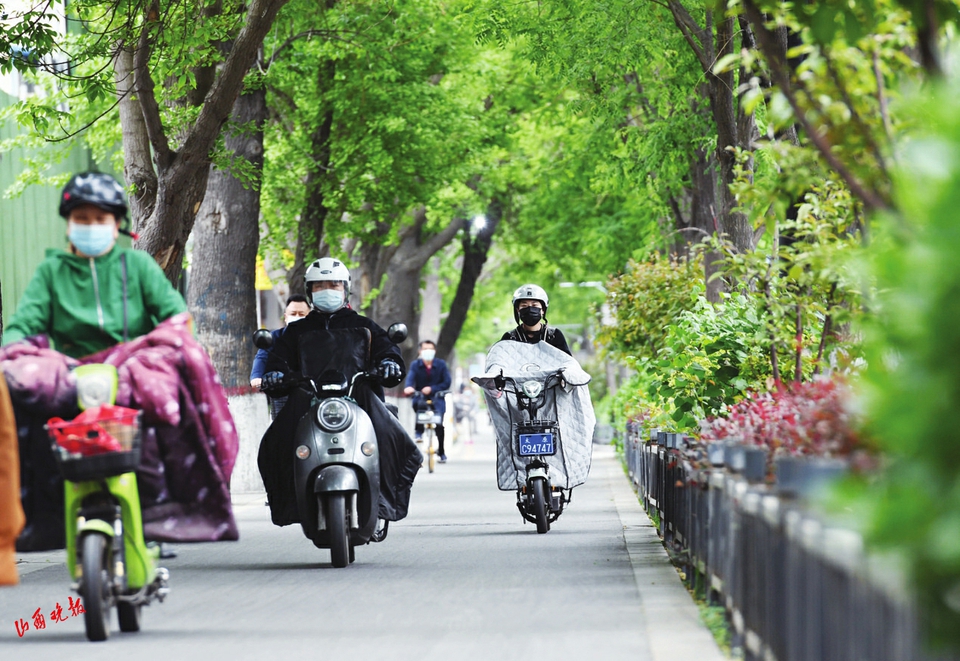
{"x": 328, "y": 300}
{"x": 92, "y": 240}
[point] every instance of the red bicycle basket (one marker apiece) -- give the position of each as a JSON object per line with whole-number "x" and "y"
{"x": 100, "y": 442}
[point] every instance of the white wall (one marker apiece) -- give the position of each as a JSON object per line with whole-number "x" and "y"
{"x": 252, "y": 418}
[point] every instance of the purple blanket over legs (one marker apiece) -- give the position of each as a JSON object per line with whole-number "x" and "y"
{"x": 190, "y": 443}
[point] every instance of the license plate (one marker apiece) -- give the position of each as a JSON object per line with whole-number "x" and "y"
{"x": 536, "y": 444}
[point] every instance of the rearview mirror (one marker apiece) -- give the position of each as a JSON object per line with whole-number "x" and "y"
{"x": 397, "y": 332}
{"x": 263, "y": 339}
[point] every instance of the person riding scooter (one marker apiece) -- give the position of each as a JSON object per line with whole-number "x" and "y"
{"x": 530, "y": 303}
{"x": 301, "y": 351}
{"x": 100, "y": 302}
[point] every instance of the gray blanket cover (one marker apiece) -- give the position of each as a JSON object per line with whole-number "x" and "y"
{"x": 570, "y": 403}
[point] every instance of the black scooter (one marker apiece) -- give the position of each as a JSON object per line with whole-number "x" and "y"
{"x": 337, "y": 464}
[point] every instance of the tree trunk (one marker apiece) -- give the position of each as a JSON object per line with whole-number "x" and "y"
{"x": 475, "y": 250}
{"x": 372, "y": 257}
{"x": 709, "y": 49}
{"x": 182, "y": 173}
{"x": 310, "y": 229}
{"x": 137, "y": 168}
{"x": 402, "y": 265}
{"x": 704, "y": 218}
{"x": 221, "y": 290}
{"x": 398, "y": 267}
{"x": 734, "y": 224}
{"x": 431, "y": 302}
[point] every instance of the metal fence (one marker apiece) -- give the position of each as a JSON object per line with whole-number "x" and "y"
{"x": 794, "y": 586}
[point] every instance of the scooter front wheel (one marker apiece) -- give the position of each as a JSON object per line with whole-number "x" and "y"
{"x": 539, "y": 488}
{"x": 128, "y": 616}
{"x": 337, "y": 529}
{"x": 95, "y": 586}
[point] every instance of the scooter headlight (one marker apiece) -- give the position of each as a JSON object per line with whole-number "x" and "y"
{"x": 334, "y": 415}
{"x": 532, "y": 389}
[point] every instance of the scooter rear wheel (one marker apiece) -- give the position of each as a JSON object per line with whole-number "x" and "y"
{"x": 337, "y": 529}
{"x": 539, "y": 487}
{"x": 95, "y": 586}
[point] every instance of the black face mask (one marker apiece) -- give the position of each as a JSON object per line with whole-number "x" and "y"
{"x": 530, "y": 316}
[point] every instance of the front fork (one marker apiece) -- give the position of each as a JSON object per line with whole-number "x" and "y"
{"x": 352, "y": 501}
{"x": 111, "y": 507}
{"x": 555, "y": 502}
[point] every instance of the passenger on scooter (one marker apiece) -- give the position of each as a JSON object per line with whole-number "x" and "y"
{"x": 327, "y": 282}
{"x": 427, "y": 375}
{"x": 297, "y": 308}
{"x": 83, "y": 305}
{"x": 530, "y": 312}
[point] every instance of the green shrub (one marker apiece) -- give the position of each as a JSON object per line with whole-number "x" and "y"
{"x": 645, "y": 300}
{"x": 912, "y": 386}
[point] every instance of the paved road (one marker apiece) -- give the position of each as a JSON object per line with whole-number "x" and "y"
{"x": 461, "y": 578}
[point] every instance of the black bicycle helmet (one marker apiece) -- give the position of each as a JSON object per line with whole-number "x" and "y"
{"x": 96, "y": 188}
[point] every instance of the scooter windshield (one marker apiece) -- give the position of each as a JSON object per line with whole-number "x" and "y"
{"x": 570, "y": 402}
{"x": 343, "y": 350}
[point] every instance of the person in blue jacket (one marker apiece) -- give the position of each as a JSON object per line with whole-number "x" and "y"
{"x": 297, "y": 308}
{"x": 429, "y": 374}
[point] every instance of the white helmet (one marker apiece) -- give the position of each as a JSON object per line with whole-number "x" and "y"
{"x": 532, "y": 292}
{"x": 327, "y": 268}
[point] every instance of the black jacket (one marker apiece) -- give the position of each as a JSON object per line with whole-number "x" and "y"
{"x": 399, "y": 457}
{"x": 552, "y": 336}
{"x": 286, "y": 356}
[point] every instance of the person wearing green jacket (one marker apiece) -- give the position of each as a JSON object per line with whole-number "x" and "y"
{"x": 96, "y": 294}
{"x": 86, "y": 299}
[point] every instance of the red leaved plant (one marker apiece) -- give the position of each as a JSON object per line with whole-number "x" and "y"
{"x": 810, "y": 418}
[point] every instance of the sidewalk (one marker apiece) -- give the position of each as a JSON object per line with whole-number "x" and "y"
{"x": 37, "y": 560}
{"x": 674, "y": 630}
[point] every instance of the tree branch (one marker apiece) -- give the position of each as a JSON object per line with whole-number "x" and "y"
{"x": 219, "y": 102}
{"x": 882, "y": 98}
{"x": 858, "y": 120}
{"x": 445, "y": 236}
{"x": 691, "y": 32}
{"x": 143, "y": 83}
{"x": 137, "y": 167}
{"x": 827, "y": 329}
{"x": 872, "y": 199}
{"x": 290, "y": 40}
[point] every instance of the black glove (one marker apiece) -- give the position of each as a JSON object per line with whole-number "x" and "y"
{"x": 389, "y": 372}
{"x": 274, "y": 383}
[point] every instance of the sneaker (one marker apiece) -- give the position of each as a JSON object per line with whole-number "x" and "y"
{"x": 419, "y": 440}
{"x": 443, "y": 458}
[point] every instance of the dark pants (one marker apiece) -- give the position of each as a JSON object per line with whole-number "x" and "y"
{"x": 41, "y": 487}
{"x": 439, "y": 430}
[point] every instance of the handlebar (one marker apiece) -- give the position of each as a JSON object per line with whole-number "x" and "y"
{"x": 297, "y": 381}
{"x": 439, "y": 394}
{"x": 502, "y": 381}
